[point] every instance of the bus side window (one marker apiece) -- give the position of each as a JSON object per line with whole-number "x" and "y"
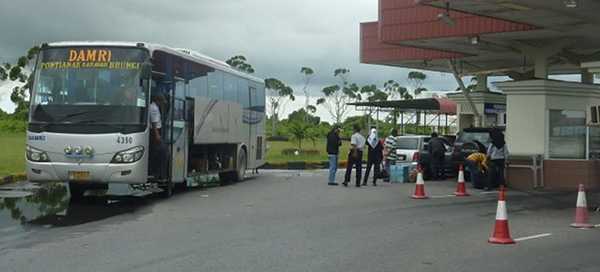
{"x": 243, "y": 96}
{"x": 215, "y": 85}
{"x": 230, "y": 88}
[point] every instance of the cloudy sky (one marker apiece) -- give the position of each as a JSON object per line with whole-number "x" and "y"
{"x": 277, "y": 36}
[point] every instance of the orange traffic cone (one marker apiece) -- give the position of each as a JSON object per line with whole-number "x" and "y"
{"x": 461, "y": 190}
{"x": 420, "y": 185}
{"x": 581, "y": 212}
{"x": 501, "y": 234}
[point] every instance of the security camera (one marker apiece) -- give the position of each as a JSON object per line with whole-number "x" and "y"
{"x": 445, "y": 17}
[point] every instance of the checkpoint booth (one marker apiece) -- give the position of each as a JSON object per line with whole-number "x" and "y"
{"x": 547, "y": 132}
{"x": 551, "y": 132}
{"x": 492, "y": 105}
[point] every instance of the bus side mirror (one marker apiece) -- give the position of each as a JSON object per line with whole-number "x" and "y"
{"x": 146, "y": 70}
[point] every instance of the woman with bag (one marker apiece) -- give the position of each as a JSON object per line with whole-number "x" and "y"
{"x": 497, "y": 154}
{"x": 374, "y": 157}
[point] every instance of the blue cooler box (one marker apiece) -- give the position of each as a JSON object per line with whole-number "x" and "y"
{"x": 398, "y": 173}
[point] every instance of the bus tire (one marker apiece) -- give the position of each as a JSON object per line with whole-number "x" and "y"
{"x": 241, "y": 166}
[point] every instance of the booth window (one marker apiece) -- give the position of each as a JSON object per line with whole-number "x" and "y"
{"x": 594, "y": 145}
{"x": 567, "y": 134}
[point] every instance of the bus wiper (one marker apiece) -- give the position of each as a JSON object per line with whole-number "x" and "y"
{"x": 67, "y": 117}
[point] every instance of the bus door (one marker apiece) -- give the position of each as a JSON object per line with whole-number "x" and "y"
{"x": 253, "y": 128}
{"x": 178, "y": 131}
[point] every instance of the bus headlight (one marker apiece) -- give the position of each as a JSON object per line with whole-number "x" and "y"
{"x": 129, "y": 156}
{"x": 36, "y": 155}
{"x": 88, "y": 150}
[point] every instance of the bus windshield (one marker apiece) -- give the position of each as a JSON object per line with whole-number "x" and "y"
{"x": 89, "y": 85}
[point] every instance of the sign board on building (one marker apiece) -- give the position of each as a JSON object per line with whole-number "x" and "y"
{"x": 494, "y": 108}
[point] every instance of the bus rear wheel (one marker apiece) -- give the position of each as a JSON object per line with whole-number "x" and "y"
{"x": 242, "y": 164}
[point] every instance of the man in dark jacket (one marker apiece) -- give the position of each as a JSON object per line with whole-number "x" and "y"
{"x": 374, "y": 157}
{"x": 437, "y": 149}
{"x": 333, "y": 149}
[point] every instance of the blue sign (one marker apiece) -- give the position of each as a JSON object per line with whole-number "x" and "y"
{"x": 494, "y": 108}
{"x": 41, "y": 138}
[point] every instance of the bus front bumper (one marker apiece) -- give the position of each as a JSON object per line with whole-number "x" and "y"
{"x": 133, "y": 173}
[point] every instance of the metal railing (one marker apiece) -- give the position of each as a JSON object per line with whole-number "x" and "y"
{"x": 533, "y": 162}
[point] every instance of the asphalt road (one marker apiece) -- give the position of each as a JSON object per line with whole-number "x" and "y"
{"x": 292, "y": 221}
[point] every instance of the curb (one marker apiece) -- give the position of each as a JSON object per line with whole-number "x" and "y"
{"x": 301, "y": 165}
{"x": 13, "y": 178}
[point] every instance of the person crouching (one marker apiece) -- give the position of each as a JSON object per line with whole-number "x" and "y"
{"x": 477, "y": 165}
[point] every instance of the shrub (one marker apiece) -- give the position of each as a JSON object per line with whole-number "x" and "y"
{"x": 12, "y": 125}
{"x": 278, "y": 139}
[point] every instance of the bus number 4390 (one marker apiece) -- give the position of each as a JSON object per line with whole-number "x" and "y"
{"x": 124, "y": 140}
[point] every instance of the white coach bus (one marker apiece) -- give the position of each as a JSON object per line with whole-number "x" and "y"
{"x": 89, "y": 122}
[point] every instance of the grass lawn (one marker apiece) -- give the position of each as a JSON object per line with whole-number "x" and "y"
{"x": 12, "y": 153}
{"x": 274, "y": 154}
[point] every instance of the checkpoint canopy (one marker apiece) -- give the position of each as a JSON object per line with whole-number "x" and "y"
{"x": 526, "y": 42}
{"x": 437, "y": 108}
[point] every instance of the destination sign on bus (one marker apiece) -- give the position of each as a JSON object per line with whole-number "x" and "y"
{"x": 81, "y": 58}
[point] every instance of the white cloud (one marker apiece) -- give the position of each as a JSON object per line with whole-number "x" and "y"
{"x": 5, "y": 91}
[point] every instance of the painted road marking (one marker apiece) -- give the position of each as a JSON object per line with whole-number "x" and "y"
{"x": 533, "y": 237}
{"x": 597, "y": 226}
{"x": 443, "y": 196}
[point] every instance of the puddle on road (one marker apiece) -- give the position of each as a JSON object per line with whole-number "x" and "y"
{"x": 30, "y": 208}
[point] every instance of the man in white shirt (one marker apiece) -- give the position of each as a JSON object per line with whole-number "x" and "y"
{"x": 357, "y": 142}
{"x": 157, "y": 149}
{"x": 155, "y": 119}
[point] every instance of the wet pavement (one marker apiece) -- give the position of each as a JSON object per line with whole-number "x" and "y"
{"x": 289, "y": 221}
{"x": 27, "y": 208}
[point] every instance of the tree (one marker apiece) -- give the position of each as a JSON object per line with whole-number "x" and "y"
{"x": 313, "y": 134}
{"x": 395, "y": 91}
{"x": 299, "y": 131}
{"x": 372, "y": 94}
{"x": 301, "y": 115}
{"x": 308, "y": 74}
{"x": 278, "y": 93}
{"x": 240, "y": 64}
{"x": 416, "y": 79}
{"x": 18, "y": 72}
{"x": 338, "y": 96}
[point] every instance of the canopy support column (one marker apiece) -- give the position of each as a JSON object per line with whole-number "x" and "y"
{"x": 466, "y": 92}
